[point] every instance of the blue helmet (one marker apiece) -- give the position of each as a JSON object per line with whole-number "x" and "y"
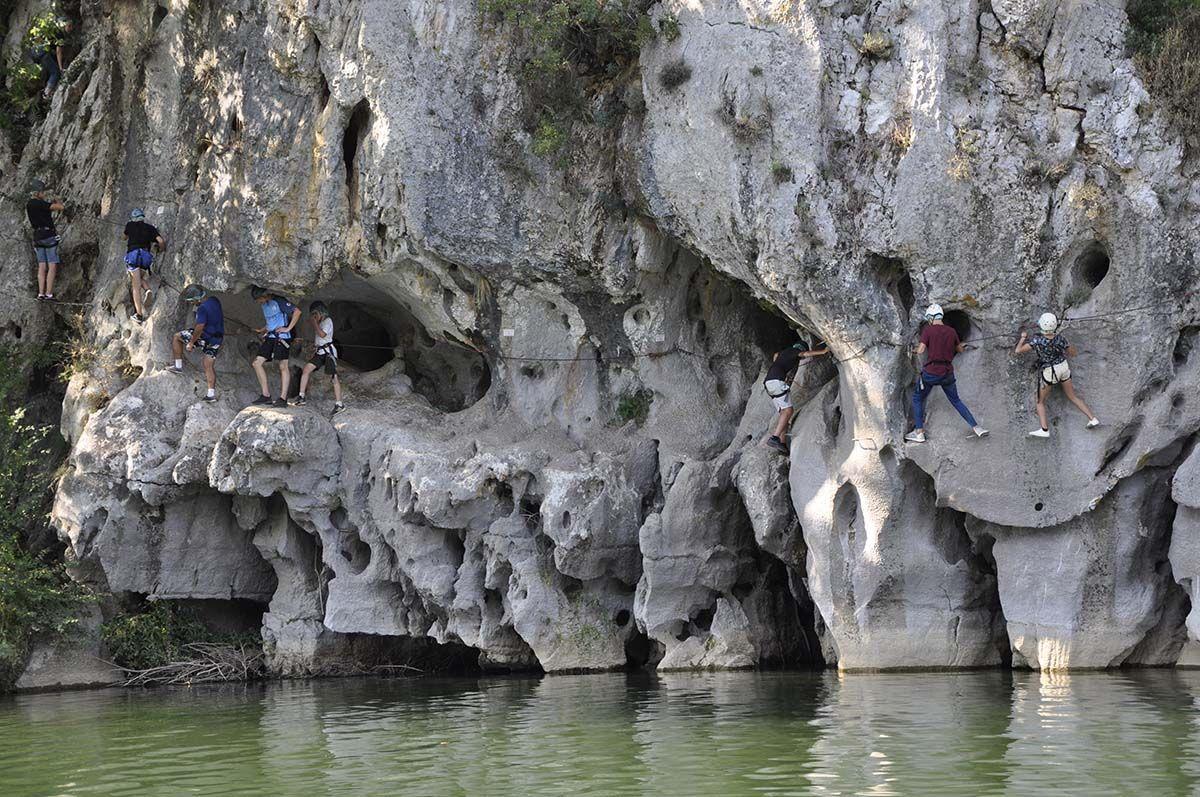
{"x": 137, "y": 214}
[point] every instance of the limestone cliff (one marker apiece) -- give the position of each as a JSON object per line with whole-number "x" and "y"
{"x": 498, "y": 481}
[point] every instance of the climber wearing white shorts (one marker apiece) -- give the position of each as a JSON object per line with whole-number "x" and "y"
{"x": 1052, "y": 350}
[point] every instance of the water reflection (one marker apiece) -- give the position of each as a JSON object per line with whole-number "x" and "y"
{"x": 679, "y": 734}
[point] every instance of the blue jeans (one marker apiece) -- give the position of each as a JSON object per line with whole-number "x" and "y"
{"x": 925, "y": 385}
{"x": 50, "y": 69}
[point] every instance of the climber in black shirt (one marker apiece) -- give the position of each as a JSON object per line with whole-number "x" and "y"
{"x": 45, "y": 236}
{"x": 778, "y": 384}
{"x": 140, "y": 241}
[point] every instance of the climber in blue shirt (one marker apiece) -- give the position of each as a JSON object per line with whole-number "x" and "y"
{"x": 280, "y": 317}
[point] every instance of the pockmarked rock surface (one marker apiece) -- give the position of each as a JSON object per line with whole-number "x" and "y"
{"x": 552, "y": 455}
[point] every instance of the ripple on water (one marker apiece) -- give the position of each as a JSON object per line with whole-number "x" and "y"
{"x": 675, "y": 734}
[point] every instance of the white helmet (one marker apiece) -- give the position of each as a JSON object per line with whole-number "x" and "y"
{"x": 933, "y": 311}
{"x": 1048, "y": 322}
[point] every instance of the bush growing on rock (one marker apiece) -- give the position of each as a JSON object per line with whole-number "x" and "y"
{"x": 37, "y": 597}
{"x": 634, "y": 406}
{"x": 1164, "y": 38}
{"x": 675, "y": 74}
{"x": 162, "y": 634}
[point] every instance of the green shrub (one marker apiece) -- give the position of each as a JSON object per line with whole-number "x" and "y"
{"x": 548, "y": 138}
{"x": 781, "y": 172}
{"x": 158, "y": 635}
{"x": 37, "y": 597}
{"x": 634, "y": 405}
{"x": 568, "y": 48}
{"x": 675, "y": 74}
{"x": 1164, "y": 39}
{"x": 668, "y": 26}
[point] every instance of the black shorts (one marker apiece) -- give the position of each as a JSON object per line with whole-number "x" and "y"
{"x": 274, "y": 350}
{"x": 326, "y": 361}
{"x": 211, "y": 348}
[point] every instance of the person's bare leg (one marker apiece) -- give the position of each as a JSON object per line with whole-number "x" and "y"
{"x": 304, "y": 375}
{"x": 1043, "y": 392}
{"x": 177, "y": 346}
{"x": 1076, "y": 400}
{"x": 337, "y": 389}
{"x": 41, "y": 278}
{"x": 285, "y": 378}
{"x": 257, "y": 365}
{"x": 51, "y": 273}
{"x": 210, "y": 372}
{"x": 785, "y": 419}
{"x": 135, "y": 288}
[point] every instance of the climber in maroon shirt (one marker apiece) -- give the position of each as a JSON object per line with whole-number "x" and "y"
{"x": 940, "y": 343}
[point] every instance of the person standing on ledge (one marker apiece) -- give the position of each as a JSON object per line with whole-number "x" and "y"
{"x": 778, "y": 384}
{"x": 208, "y": 333}
{"x": 942, "y": 344}
{"x": 281, "y": 317}
{"x": 1052, "y": 351}
{"x": 325, "y": 356}
{"x": 48, "y": 35}
{"x": 140, "y": 240}
{"x": 45, "y": 236}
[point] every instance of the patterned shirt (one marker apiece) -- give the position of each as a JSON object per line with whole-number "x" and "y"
{"x": 1049, "y": 351}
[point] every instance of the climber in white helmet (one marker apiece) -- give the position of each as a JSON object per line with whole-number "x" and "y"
{"x": 942, "y": 343}
{"x": 1052, "y": 350}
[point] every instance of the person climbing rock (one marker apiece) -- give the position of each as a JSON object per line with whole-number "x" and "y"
{"x": 778, "y": 384}
{"x": 45, "y": 236}
{"x": 1052, "y": 350}
{"x": 940, "y": 342}
{"x": 281, "y": 317}
{"x": 208, "y": 333}
{"x": 325, "y": 355}
{"x": 140, "y": 241}
{"x": 47, "y": 37}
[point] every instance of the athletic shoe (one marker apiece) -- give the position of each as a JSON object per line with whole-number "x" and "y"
{"x": 1093, "y": 423}
{"x": 41, "y": 297}
{"x": 915, "y": 437}
{"x": 209, "y": 398}
{"x": 146, "y": 296}
{"x": 981, "y": 432}
{"x": 338, "y": 407}
{"x": 174, "y": 370}
{"x": 138, "y": 317}
{"x": 49, "y": 297}
{"x": 777, "y": 444}
{"x": 298, "y": 401}
{"x": 279, "y": 402}
{"x": 261, "y": 400}
{"x": 1040, "y": 433}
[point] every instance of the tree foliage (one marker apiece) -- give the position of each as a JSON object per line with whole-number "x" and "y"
{"x": 37, "y": 597}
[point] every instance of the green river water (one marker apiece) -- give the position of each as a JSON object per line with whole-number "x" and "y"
{"x": 774, "y": 733}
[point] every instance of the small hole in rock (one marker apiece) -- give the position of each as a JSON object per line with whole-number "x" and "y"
{"x": 1091, "y": 267}
{"x": 621, "y": 618}
{"x": 1038, "y": 506}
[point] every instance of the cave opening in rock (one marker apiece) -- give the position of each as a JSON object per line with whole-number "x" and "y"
{"x": 1091, "y": 267}
{"x": 961, "y": 323}
{"x": 362, "y": 339}
{"x": 160, "y": 13}
{"x": 352, "y": 141}
{"x": 451, "y": 377}
{"x": 1184, "y": 345}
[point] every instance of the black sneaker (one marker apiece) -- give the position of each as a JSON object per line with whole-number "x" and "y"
{"x": 279, "y": 402}
{"x": 138, "y": 317}
{"x": 298, "y": 401}
{"x": 260, "y": 401}
{"x": 338, "y": 407}
{"x": 777, "y": 444}
{"x": 209, "y": 399}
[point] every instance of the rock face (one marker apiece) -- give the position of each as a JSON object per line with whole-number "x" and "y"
{"x": 552, "y": 449}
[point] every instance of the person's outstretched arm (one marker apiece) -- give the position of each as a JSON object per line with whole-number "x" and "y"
{"x": 815, "y": 352}
{"x": 57, "y": 204}
{"x": 1022, "y": 345}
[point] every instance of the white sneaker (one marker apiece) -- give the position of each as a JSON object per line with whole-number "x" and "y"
{"x": 174, "y": 370}
{"x": 915, "y": 437}
{"x": 981, "y": 432}
{"x": 1093, "y": 423}
{"x": 1040, "y": 433}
